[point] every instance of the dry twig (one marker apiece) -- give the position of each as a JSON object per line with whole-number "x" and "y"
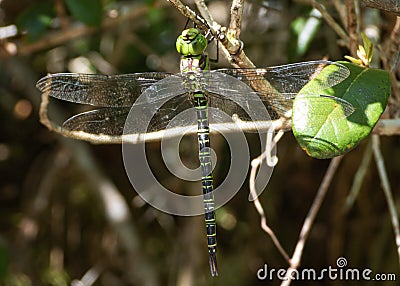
{"x": 387, "y": 190}
{"x": 359, "y": 178}
{"x": 255, "y": 164}
{"x": 308, "y": 222}
{"x": 352, "y": 26}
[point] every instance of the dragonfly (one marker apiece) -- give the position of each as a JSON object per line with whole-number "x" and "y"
{"x": 234, "y": 91}
{"x": 387, "y": 5}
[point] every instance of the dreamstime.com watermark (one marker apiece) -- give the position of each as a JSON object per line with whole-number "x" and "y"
{"x": 338, "y": 273}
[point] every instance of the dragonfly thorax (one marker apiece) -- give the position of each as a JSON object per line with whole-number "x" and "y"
{"x": 194, "y": 63}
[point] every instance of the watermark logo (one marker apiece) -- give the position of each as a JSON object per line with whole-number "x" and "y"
{"x": 165, "y": 109}
{"x": 339, "y": 272}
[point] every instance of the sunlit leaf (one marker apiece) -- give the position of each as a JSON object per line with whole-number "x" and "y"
{"x": 368, "y": 47}
{"x": 322, "y": 128}
{"x": 354, "y": 60}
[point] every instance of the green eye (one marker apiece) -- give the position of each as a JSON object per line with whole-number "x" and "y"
{"x": 191, "y": 42}
{"x": 322, "y": 126}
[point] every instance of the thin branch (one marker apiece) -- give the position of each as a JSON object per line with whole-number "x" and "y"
{"x": 392, "y": 43}
{"x": 190, "y": 14}
{"x": 278, "y": 124}
{"x": 308, "y": 222}
{"x": 359, "y": 178}
{"x": 329, "y": 20}
{"x": 352, "y": 26}
{"x": 387, "y": 127}
{"x": 255, "y": 164}
{"x": 232, "y": 48}
{"x": 61, "y": 13}
{"x": 236, "y": 18}
{"x": 204, "y": 12}
{"x": 90, "y": 277}
{"x": 387, "y": 190}
{"x": 384, "y": 127}
{"x": 391, "y": 59}
{"x": 341, "y": 9}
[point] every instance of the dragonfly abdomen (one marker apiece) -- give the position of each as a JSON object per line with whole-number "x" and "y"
{"x": 201, "y": 105}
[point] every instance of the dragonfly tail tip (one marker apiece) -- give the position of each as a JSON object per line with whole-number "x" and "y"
{"x": 213, "y": 264}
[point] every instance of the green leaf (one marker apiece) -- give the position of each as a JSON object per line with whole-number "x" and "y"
{"x": 55, "y": 277}
{"x": 368, "y": 47}
{"x": 354, "y": 60}
{"x": 303, "y": 31}
{"x": 89, "y": 12}
{"x": 155, "y": 15}
{"x": 321, "y": 127}
{"x": 36, "y": 19}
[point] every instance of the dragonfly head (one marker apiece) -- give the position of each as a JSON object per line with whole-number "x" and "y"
{"x": 191, "y": 43}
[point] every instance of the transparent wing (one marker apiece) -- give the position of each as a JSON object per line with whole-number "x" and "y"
{"x": 179, "y": 115}
{"x": 387, "y": 5}
{"x": 109, "y": 91}
{"x": 177, "y": 112}
{"x": 107, "y": 121}
{"x": 258, "y": 112}
{"x": 347, "y": 107}
{"x": 289, "y": 79}
{"x": 276, "y": 86}
{"x": 161, "y": 98}
{"x": 112, "y": 120}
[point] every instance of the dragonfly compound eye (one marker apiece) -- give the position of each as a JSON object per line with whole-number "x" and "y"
{"x": 191, "y": 43}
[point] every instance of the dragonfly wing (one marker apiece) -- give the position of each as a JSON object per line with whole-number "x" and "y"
{"x": 108, "y": 90}
{"x": 282, "y": 106}
{"x": 233, "y": 91}
{"x": 139, "y": 119}
{"x": 327, "y": 100}
{"x": 177, "y": 112}
{"x": 226, "y": 114}
{"x": 348, "y": 108}
{"x": 387, "y": 5}
{"x": 289, "y": 79}
{"x": 277, "y": 86}
{"x": 106, "y": 121}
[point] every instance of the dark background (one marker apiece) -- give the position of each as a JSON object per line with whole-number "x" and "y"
{"x": 56, "y": 194}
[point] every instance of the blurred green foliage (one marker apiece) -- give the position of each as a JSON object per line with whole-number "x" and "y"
{"x": 89, "y": 12}
{"x": 36, "y": 19}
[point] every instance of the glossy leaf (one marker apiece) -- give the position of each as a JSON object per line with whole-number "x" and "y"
{"x": 322, "y": 128}
{"x": 36, "y": 19}
{"x": 89, "y": 12}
